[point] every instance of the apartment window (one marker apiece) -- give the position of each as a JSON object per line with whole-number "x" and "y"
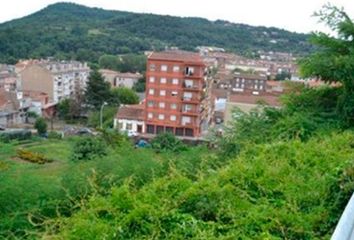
{"x": 261, "y": 87}
{"x": 162, "y": 92}
{"x": 150, "y": 103}
{"x": 188, "y": 83}
{"x": 173, "y": 118}
{"x": 161, "y": 117}
{"x": 176, "y": 68}
{"x": 162, "y": 105}
{"x": 237, "y": 80}
{"x": 152, "y": 79}
{"x": 150, "y": 115}
{"x": 255, "y": 86}
{"x": 175, "y": 81}
{"x": 151, "y": 91}
{"x": 187, "y": 95}
{"x": 173, "y": 106}
{"x": 152, "y": 67}
{"x": 129, "y": 126}
{"x": 187, "y": 108}
{"x": 174, "y": 93}
{"x": 164, "y": 68}
{"x": 163, "y": 80}
{"x": 186, "y": 120}
{"x": 120, "y": 126}
{"x": 189, "y": 71}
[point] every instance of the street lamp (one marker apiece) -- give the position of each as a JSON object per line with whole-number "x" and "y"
{"x": 103, "y": 104}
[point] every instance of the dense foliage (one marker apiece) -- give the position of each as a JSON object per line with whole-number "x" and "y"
{"x": 334, "y": 62}
{"x": 124, "y": 63}
{"x": 66, "y": 30}
{"x": 41, "y": 126}
{"x": 87, "y": 148}
{"x": 123, "y": 95}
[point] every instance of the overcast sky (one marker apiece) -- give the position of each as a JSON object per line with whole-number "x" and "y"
{"x": 293, "y": 15}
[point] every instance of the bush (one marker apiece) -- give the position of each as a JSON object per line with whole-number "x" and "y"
{"x": 167, "y": 142}
{"x": 15, "y": 135}
{"x": 32, "y": 156}
{"x": 54, "y": 135}
{"x": 87, "y": 148}
{"x": 41, "y": 126}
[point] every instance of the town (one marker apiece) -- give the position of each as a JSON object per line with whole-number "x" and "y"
{"x": 187, "y": 93}
{"x": 161, "y": 121}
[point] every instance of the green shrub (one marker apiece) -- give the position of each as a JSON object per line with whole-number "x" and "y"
{"x": 54, "y": 135}
{"x": 15, "y": 135}
{"x": 167, "y": 142}
{"x": 32, "y": 156}
{"x": 87, "y": 148}
{"x": 41, "y": 126}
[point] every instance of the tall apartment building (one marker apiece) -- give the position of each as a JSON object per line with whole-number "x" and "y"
{"x": 58, "y": 79}
{"x": 177, "y": 94}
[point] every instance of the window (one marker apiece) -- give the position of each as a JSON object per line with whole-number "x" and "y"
{"x": 150, "y": 115}
{"x": 151, "y": 91}
{"x": 150, "y": 103}
{"x": 162, "y": 105}
{"x": 176, "y": 68}
{"x": 152, "y": 67}
{"x": 120, "y": 126}
{"x": 162, "y": 92}
{"x": 189, "y": 71}
{"x": 129, "y": 126}
{"x": 261, "y": 87}
{"x": 187, "y": 95}
{"x": 186, "y": 120}
{"x": 173, "y": 106}
{"x": 152, "y": 79}
{"x": 161, "y": 117}
{"x": 175, "y": 81}
{"x": 255, "y": 86}
{"x": 188, "y": 83}
{"x": 174, "y": 93}
{"x": 163, "y": 80}
{"x": 164, "y": 68}
{"x": 187, "y": 108}
{"x": 173, "y": 118}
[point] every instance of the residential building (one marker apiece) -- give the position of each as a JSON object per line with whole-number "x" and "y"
{"x": 9, "y": 108}
{"x": 244, "y": 82}
{"x": 8, "y": 78}
{"x": 130, "y": 118}
{"x": 178, "y": 98}
{"x": 58, "y": 79}
{"x": 118, "y": 79}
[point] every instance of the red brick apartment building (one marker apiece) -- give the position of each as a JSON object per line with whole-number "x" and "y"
{"x": 177, "y": 94}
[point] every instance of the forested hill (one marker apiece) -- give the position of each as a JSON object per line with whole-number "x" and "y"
{"x": 68, "y": 30}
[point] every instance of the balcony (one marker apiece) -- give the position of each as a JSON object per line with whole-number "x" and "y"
{"x": 192, "y": 87}
{"x": 190, "y": 100}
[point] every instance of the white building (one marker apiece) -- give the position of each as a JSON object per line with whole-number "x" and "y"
{"x": 130, "y": 118}
{"x": 118, "y": 79}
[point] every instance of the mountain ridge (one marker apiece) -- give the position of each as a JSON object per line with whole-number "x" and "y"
{"x": 69, "y": 30}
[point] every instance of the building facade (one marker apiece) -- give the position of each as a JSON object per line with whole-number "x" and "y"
{"x": 58, "y": 79}
{"x": 177, "y": 94}
{"x": 118, "y": 79}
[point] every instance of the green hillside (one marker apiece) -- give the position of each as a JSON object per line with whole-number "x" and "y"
{"x": 68, "y": 30}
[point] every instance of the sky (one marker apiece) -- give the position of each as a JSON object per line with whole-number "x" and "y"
{"x": 293, "y": 15}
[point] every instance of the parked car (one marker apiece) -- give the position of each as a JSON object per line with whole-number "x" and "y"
{"x": 2, "y": 128}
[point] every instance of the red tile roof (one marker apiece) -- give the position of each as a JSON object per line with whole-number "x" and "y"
{"x": 272, "y": 100}
{"x": 182, "y": 56}
{"x": 131, "y": 112}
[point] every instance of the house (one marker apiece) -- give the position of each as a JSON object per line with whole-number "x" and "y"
{"x": 130, "y": 118}
{"x": 178, "y": 94}
{"x": 58, "y": 79}
{"x": 247, "y": 102}
{"x": 9, "y": 108}
{"x": 118, "y": 79}
{"x": 9, "y": 80}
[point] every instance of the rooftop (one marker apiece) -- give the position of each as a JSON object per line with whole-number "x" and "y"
{"x": 270, "y": 99}
{"x": 176, "y": 55}
{"x": 131, "y": 112}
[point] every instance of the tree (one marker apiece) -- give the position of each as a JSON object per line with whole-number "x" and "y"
{"x": 97, "y": 90}
{"x": 41, "y": 126}
{"x": 334, "y": 60}
{"x": 124, "y": 96}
